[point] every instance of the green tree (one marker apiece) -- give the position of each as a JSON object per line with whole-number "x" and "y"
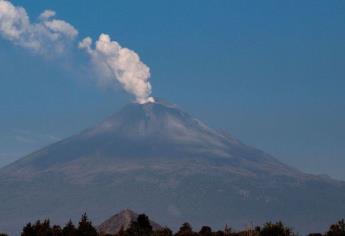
{"x": 337, "y": 229}
{"x": 69, "y": 229}
{"x": 185, "y": 230}
{"x": 43, "y": 228}
{"x": 85, "y": 227}
{"x": 227, "y": 230}
{"x": 220, "y": 233}
{"x": 28, "y": 230}
{"x": 163, "y": 232}
{"x": 275, "y": 229}
{"x": 56, "y": 230}
{"x": 205, "y": 231}
{"x": 140, "y": 227}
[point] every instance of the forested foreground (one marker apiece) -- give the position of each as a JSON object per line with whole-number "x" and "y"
{"x": 142, "y": 227}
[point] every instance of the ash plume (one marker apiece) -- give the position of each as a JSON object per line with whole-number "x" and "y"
{"x": 116, "y": 63}
{"x": 49, "y": 36}
{"x": 46, "y": 36}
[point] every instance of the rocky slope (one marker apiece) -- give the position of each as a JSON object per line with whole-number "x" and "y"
{"x": 156, "y": 158}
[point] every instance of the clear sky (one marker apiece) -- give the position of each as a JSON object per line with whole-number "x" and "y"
{"x": 272, "y": 73}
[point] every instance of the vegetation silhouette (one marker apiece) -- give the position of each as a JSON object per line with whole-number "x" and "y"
{"x": 337, "y": 229}
{"x": 142, "y": 227}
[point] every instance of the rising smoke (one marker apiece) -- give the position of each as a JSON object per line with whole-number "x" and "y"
{"x": 122, "y": 64}
{"x": 46, "y": 36}
{"x": 50, "y": 36}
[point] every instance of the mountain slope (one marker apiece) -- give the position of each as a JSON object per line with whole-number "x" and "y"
{"x": 122, "y": 220}
{"x": 156, "y": 158}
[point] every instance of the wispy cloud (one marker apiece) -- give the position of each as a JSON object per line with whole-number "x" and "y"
{"x": 46, "y": 36}
{"x": 50, "y": 36}
{"x": 30, "y": 137}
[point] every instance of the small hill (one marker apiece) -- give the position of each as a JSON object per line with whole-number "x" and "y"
{"x": 120, "y": 221}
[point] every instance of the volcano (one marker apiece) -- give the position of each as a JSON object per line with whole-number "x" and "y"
{"x": 156, "y": 158}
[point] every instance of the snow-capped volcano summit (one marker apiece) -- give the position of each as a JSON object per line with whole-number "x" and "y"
{"x": 158, "y": 159}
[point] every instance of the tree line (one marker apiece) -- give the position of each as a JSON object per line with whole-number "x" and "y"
{"x": 142, "y": 227}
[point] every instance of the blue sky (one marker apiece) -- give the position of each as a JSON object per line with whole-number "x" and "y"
{"x": 272, "y": 73}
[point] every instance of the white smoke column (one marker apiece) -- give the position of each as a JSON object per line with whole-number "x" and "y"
{"x": 46, "y": 36}
{"x": 49, "y": 36}
{"x": 116, "y": 63}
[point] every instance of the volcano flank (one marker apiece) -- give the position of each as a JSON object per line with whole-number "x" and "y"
{"x": 158, "y": 159}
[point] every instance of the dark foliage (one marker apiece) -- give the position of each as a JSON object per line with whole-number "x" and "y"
{"x": 28, "y": 230}
{"x": 277, "y": 229}
{"x": 163, "y": 232}
{"x": 185, "y": 230}
{"x": 85, "y": 227}
{"x": 39, "y": 229}
{"x": 142, "y": 227}
{"x": 69, "y": 229}
{"x": 337, "y": 229}
{"x": 205, "y": 231}
{"x": 56, "y": 230}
